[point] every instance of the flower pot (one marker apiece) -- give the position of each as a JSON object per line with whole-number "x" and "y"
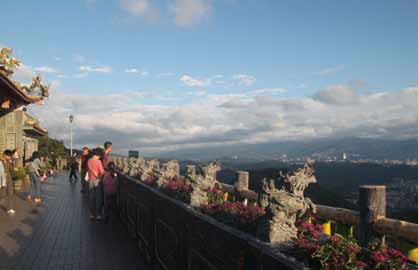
{"x": 17, "y": 184}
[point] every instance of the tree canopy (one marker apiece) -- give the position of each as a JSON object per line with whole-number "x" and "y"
{"x": 51, "y": 147}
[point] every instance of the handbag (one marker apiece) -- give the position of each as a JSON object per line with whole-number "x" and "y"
{"x": 98, "y": 179}
{"x": 86, "y": 177}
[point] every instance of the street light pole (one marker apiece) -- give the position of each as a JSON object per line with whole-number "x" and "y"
{"x": 71, "y": 134}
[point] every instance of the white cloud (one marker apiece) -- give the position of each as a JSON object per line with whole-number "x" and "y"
{"x": 183, "y": 13}
{"x": 139, "y": 71}
{"x": 190, "y": 12}
{"x": 244, "y": 79}
{"x": 45, "y": 69}
{"x": 330, "y": 70}
{"x": 141, "y": 8}
{"x": 132, "y": 122}
{"x": 23, "y": 74}
{"x": 199, "y": 93}
{"x": 190, "y": 81}
{"x": 100, "y": 69}
{"x": 269, "y": 91}
{"x": 131, "y": 70}
{"x": 80, "y": 75}
{"x": 337, "y": 95}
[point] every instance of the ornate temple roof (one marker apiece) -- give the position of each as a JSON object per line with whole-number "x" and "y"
{"x": 12, "y": 95}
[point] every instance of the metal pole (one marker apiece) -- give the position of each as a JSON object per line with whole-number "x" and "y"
{"x": 71, "y": 139}
{"x": 71, "y": 134}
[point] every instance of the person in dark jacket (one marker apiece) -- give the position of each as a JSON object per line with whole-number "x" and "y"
{"x": 83, "y": 169}
{"x": 73, "y": 168}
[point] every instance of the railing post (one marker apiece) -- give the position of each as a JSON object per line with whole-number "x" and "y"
{"x": 242, "y": 181}
{"x": 372, "y": 205}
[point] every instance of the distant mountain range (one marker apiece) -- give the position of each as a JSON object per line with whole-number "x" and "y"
{"x": 354, "y": 147}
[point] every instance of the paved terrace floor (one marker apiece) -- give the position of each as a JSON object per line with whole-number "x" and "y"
{"x": 59, "y": 234}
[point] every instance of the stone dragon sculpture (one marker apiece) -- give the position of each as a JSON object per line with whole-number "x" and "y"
{"x": 284, "y": 205}
{"x": 202, "y": 182}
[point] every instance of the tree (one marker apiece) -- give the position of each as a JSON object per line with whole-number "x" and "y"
{"x": 51, "y": 147}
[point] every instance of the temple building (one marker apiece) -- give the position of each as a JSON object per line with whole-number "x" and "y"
{"x": 18, "y": 129}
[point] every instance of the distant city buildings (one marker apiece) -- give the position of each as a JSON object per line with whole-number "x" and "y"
{"x": 133, "y": 153}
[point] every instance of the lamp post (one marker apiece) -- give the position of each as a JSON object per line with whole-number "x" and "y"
{"x": 71, "y": 134}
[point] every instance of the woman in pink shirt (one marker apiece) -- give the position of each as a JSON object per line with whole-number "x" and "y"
{"x": 96, "y": 172}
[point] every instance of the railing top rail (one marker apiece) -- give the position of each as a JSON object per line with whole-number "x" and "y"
{"x": 399, "y": 228}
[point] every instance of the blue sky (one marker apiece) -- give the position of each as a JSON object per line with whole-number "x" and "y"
{"x": 188, "y": 51}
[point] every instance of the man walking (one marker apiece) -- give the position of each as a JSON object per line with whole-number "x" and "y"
{"x": 83, "y": 169}
{"x": 73, "y": 167}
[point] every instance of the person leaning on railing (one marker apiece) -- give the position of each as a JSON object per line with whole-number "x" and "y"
{"x": 95, "y": 171}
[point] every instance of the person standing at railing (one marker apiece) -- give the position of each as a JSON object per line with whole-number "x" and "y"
{"x": 96, "y": 172}
{"x": 106, "y": 154}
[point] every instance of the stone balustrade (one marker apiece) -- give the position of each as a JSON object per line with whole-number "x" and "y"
{"x": 370, "y": 222}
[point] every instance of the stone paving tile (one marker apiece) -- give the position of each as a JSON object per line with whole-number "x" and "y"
{"x": 59, "y": 234}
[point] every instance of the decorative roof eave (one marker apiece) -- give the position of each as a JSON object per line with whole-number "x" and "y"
{"x": 35, "y": 130}
{"x": 17, "y": 91}
{"x": 44, "y": 131}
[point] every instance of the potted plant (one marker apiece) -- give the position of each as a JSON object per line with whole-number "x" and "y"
{"x": 18, "y": 177}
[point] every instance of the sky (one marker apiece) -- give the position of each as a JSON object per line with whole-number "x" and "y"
{"x": 162, "y": 75}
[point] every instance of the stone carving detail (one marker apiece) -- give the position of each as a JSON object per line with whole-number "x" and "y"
{"x": 201, "y": 183}
{"x": 148, "y": 169}
{"x": 135, "y": 166}
{"x": 125, "y": 165}
{"x": 284, "y": 205}
{"x": 169, "y": 171}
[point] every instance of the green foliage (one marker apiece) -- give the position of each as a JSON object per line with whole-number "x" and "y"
{"x": 19, "y": 174}
{"x": 51, "y": 147}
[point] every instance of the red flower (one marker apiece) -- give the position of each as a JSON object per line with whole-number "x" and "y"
{"x": 379, "y": 256}
{"x": 361, "y": 264}
{"x": 353, "y": 249}
{"x": 396, "y": 253}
